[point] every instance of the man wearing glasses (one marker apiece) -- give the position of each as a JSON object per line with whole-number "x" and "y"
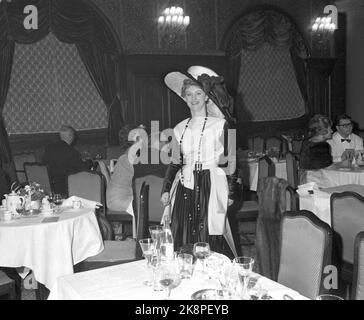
{"x": 344, "y": 142}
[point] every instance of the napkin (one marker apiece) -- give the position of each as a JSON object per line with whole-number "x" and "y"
{"x": 307, "y": 188}
{"x": 85, "y": 203}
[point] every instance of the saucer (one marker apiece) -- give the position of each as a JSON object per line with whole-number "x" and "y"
{"x": 47, "y": 212}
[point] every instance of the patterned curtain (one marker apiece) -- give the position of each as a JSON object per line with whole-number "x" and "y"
{"x": 71, "y": 21}
{"x": 262, "y": 29}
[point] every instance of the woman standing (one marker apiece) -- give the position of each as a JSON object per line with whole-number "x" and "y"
{"x": 196, "y": 188}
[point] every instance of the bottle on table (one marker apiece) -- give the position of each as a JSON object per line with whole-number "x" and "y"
{"x": 167, "y": 244}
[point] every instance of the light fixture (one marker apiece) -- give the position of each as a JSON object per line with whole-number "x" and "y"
{"x": 172, "y": 24}
{"x": 322, "y": 32}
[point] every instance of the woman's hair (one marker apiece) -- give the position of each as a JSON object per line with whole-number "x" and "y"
{"x": 124, "y": 134}
{"x": 187, "y": 83}
{"x": 318, "y": 125}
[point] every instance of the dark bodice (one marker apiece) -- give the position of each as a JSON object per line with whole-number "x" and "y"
{"x": 315, "y": 155}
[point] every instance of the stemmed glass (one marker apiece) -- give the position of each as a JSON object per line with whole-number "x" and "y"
{"x": 57, "y": 200}
{"x": 244, "y": 267}
{"x": 201, "y": 250}
{"x": 147, "y": 246}
{"x": 156, "y": 233}
{"x": 169, "y": 277}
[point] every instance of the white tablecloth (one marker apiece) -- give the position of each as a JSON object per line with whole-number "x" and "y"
{"x": 336, "y": 175}
{"x": 50, "y": 249}
{"x": 125, "y": 282}
{"x": 250, "y": 172}
{"x": 319, "y": 201}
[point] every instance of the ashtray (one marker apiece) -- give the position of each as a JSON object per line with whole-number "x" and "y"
{"x": 208, "y": 294}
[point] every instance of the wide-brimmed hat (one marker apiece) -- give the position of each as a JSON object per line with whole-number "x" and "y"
{"x": 209, "y": 81}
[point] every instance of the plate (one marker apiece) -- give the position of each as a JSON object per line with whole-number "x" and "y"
{"x": 208, "y": 294}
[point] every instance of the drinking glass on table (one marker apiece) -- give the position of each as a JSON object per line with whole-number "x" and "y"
{"x": 244, "y": 266}
{"x": 156, "y": 233}
{"x": 57, "y": 200}
{"x": 201, "y": 250}
{"x": 147, "y": 246}
{"x": 169, "y": 276}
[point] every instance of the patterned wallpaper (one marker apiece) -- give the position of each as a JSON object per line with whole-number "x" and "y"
{"x": 50, "y": 86}
{"x": 268, "y": 86}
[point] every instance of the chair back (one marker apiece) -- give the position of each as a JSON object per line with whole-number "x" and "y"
{"x": 272, "y": 200}
{"x": 104, "y": 170}
{"x": 306, "y": 243}
{"x": 156, "y": 207}
{"x": 87, "y": 184}
{"x": 266, "y": 167}
{"x": 347, "y": 220}
{"x": 142, "y": 217}
{"x": 358, "y": 279}
{"x": 273, "y": 143}
{"x": 292, "y": 169}
{"x": 296, "y": 146}
{"x": 38, "y": 172}
{"x": 19, "y": 160}
{"x": 256, "y": 144}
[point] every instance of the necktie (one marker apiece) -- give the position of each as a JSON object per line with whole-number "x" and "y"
{"x": 348, "y": 140}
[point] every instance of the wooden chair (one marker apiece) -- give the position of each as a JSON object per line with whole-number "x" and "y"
{"x": 306, "y": 244}
{"x": 117, "y": 252}
{"x": 256, "y": 144}
{"x": 104, "y": 170}
{"x": 296, "y": 146}
{"x": 19, "y": 160}
{"x": 250, "y": 208}
{"x": 357, "y": 292}
{"x": 38, "y": 172}
{"x": 7, "y": 286}
{"x": 292, "y": 169}
{"x": 347, "y": 220}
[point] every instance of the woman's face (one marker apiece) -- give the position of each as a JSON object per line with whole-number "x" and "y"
{"x": 195, "y": 98}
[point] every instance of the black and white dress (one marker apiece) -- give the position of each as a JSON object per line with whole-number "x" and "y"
{"x": 199, "y": 198}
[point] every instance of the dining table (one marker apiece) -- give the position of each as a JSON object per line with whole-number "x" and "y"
{"x": 318, "y": 200}
{"x": 49, "y": 244}
{"x": 125, "y": 282}
{"x": 337, "y": 174}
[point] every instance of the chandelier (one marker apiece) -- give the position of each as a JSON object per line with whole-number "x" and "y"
{"x": 172, "y": 25}
{"x": 322, "y": 32}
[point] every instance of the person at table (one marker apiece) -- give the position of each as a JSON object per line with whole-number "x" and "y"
{"x": 315, "y": 151}
{"x": 196, "y": 190}
{"x": 344, "y": 142}
{"x": 63, "y": 159}
{"x": 119, "y": 192}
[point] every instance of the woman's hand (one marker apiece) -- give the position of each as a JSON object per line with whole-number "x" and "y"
{"x": 165, "y": 198}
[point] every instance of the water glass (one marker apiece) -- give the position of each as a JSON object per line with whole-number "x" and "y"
{"x": 201, "y": 250}
{"x": 185, "y": 264}
{"x": 156, "y": 233}
{"x": 244, "y": 266}
{"x": 147, "y": 246}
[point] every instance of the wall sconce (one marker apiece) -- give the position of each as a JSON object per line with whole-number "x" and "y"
{"x": 172, "y": 25}
{"x": 322, "y": 32}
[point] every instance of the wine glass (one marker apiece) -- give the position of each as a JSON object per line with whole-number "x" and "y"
{"x": 244, "y": 266}
{"x": 147, "y": 246}
{"x": 156, "y": 233}
{"x": 57, "y": 200}
{"x": 201, "y": 250}
{"x": 169, "y": 277}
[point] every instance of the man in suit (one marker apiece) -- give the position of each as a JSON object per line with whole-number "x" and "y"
{"x": 344, "y": 142}
{"x": 63, "y": 159}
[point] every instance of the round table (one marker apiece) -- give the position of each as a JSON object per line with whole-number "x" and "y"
{"x": 50, "y": 248}
{"x": 336, "y": 175}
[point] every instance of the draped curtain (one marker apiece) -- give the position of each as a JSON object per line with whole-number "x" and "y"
{"x": 74, "y": 22}
{"x": 276, "y": 29}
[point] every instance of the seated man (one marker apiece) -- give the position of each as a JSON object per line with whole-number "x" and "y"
{"x": 63, "y": 159}
{"x": 344, "y": 142}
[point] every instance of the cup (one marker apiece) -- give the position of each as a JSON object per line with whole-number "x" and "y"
{"x": 185, "y": 264}
{"x": 76, "y": 204}
{"x": 7, "y": 216}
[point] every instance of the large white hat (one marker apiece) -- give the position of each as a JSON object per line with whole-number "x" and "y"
{"x": 174, "y": 81}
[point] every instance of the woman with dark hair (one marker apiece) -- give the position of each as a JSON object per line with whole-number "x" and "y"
{"x": 196, "y": 189}
{"x": 315, "y": 151}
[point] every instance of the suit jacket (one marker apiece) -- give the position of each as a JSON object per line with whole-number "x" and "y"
{"x": 62, "y": 160}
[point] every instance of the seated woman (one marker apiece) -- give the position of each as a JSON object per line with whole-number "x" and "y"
{"x": 119, "y": 192}
{"x": 315, "y": 151}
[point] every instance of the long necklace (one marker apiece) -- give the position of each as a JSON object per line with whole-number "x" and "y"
{"x": 198, "y": 164}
